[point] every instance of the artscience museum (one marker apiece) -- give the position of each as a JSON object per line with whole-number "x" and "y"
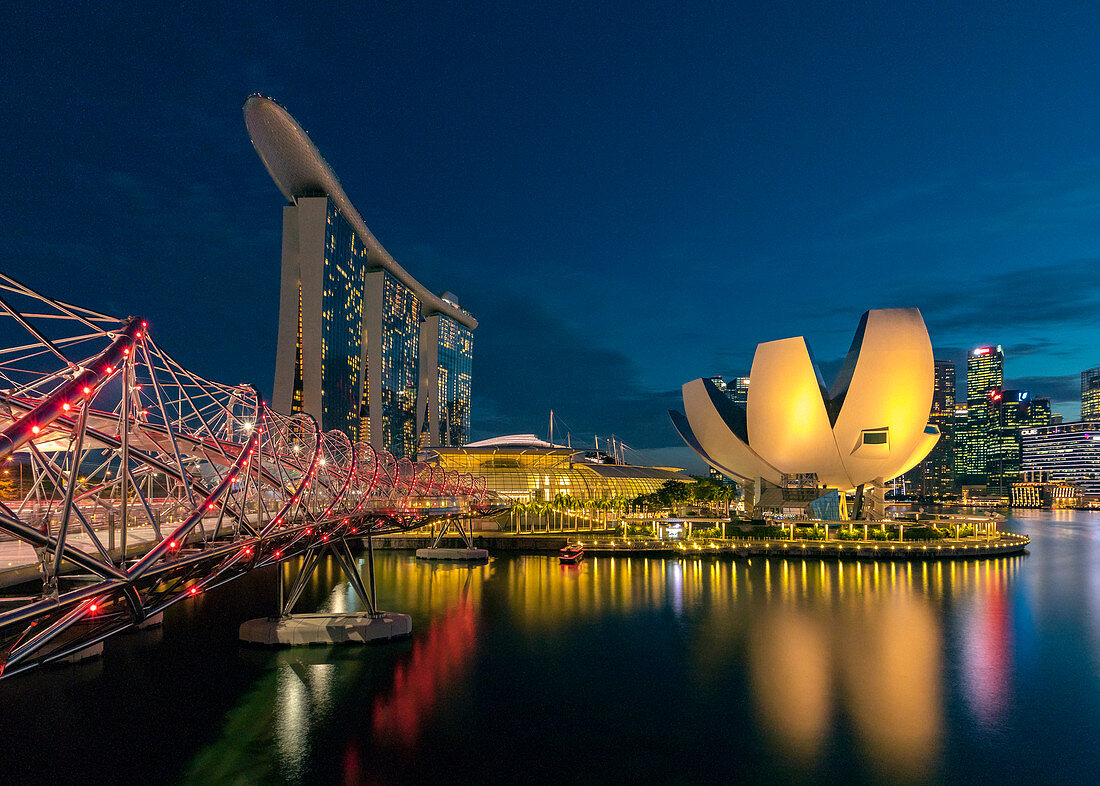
{"x": 869, "y": 426}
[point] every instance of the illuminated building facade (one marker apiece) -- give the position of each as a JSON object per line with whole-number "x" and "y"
{"x": 1068, "y": 452}
{"x": 871, "y": 425}
{"x": 985, "y": 374}
{"x": 935, "y": 476}
{"x": 447, "y": 349}
{"x": 1011, "y": 412}
{"x": 1090, "y": 394}
{"x": 1037, "y": 490}
{"x": 363, "y": 347}
{"x": 526, "y": 469}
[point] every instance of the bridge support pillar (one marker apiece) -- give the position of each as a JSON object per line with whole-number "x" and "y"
{"x": 290, "y": 630}
{"x": 468, "y": 553}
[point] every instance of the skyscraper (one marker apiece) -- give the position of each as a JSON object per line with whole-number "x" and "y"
{"x": 985, "y": 370}
{"x": 984, "y": 380}
{"x": 1090, "y": 394}
{"x": 363, "y": 347}
{"x": 738, "y": 391}
{"x": 935, "y": 476}
{"x": 1012, "y": 411}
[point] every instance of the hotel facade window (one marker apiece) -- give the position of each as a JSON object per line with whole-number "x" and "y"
{"x": 342, "y": 325}
{"x": 456, "y": 357}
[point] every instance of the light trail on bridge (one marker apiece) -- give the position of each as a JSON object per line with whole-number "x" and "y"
{"x": 118, "y": 436}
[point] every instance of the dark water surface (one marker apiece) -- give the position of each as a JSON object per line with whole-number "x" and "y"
{"x": 617, "y": 669}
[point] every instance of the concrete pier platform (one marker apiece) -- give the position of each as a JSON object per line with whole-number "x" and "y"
{"x": 463, "y": 554}
{"x": 152, "y": 622}
{"x": 303, "y": 629}
{"x": 94, "y": 651}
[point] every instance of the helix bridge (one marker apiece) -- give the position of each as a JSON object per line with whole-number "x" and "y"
{"x": 132, "y": 484}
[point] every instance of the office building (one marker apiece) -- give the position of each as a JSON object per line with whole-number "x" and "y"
{"x": 935, "y": 476}
{"x": 1090, "y": 394}
{"x": 363, "y": 347}
{"x": 1011, "y": 413}
{"x": 984, "y": 380}
{"x": 1067, "y": 452}
{"x": 985, "y": 370}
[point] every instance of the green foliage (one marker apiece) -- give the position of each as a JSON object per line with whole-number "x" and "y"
{"x": 770, "y": 531}
{"x": 924, "y": 533}
{"x": 704, "y": 491}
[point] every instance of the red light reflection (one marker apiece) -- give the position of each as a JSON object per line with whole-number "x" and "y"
{"x": 417, "y": 682}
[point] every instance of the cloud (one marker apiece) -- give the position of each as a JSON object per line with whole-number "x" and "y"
{"x": 1061, "y": 294}
{"x": 529, "y": 360}
{"x": 1065, "y": 388}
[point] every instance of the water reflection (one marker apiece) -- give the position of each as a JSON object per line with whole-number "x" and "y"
{"x": 825, "y": 645}
{"x": 825, "y": 652}
{"x": 436, "y": 663}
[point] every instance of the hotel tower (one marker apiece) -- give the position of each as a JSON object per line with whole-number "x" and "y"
{"x": 363, "y": 347}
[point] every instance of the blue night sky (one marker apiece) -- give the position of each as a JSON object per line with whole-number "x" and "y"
{"x": 627, "y": 196}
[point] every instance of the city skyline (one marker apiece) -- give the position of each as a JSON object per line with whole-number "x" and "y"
{"x": 699, "y": 169}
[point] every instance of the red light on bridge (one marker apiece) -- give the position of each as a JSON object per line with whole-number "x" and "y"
{"x": 309, "y": 530}
{"x": 87, "y": 390}
{"x": 210, "y": 506}
{"x": 324, "y": 538}
{"x": 93, "y": 608}
{"x": 35, "y": 429}
{"x": 172, "y": 544}
{"x": 194, "y": 590}
{"x": 66, "y": 406}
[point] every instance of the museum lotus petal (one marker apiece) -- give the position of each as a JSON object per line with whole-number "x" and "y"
{"x": 871, "y": 424}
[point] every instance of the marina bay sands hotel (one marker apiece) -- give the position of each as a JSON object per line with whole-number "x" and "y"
{"x": 363, "y": 346}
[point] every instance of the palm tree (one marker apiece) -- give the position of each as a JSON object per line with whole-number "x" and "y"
{"x": 561, "y": 501}
{"x": 621, "y": 504}
{"x": 544, "y": 508}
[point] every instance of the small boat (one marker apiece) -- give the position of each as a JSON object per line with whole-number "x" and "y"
{"x": 571, "y": 554}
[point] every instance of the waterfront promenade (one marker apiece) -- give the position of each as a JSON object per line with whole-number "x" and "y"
{"x": 1003, "y": 544}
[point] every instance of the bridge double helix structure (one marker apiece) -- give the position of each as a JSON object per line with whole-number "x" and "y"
{"x": 130, "y": 483}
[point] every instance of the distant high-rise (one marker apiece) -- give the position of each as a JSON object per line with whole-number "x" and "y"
{"x": 984, "y": 380}
{"x": 985, "y": 370}
{"x": 1012, "y": 411}
{"x": 1068, "y": 451}
{"x": 736, "y": 390}
{"x": 935, "y": 476}
{"x": 1090, "y": 394}
{"x": 363, "y": 347}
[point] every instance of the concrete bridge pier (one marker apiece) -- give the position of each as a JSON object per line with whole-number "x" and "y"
{"x": 468, "y": 553}
{"x": 291, "y": 630}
